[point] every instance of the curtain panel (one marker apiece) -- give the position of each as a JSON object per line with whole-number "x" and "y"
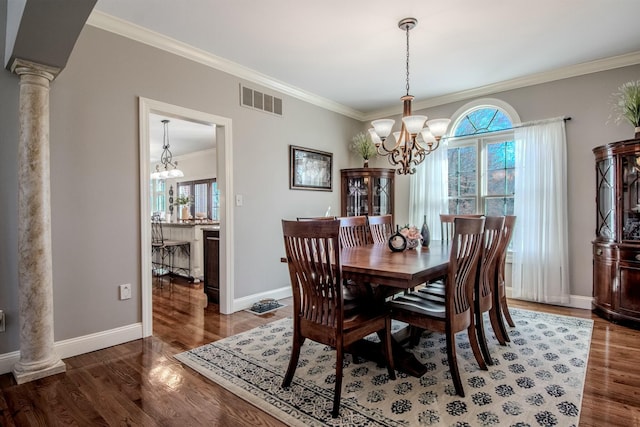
{"x": 540, "y": 241}
{"x": 428, "y": 191}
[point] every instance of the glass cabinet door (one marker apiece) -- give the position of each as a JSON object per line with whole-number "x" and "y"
{"x": 605, "y": 227}
{"x": 631, "y": 198}
{"x": 358, "y": 196}
{"x": 381, "y": 196}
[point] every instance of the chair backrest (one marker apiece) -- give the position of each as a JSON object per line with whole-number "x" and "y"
{"x": 447, "y": 224}
{"x": 380, "y": 227}
{"x": 353, "y": 231}
{"x": 157, "y": 237}
{"x": 316, "y": 218}
{"x": 507, "y": 233}
{"x": 493, "y": 229}
{"x": 466, "y": 248}
{"x": 313, "y": 257}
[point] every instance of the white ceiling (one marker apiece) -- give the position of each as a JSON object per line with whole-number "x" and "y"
{"x": 352, "y": 52}
{"x": 184, "y": 136}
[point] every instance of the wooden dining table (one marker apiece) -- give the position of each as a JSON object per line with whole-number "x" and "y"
{"x": 388, "y": 273}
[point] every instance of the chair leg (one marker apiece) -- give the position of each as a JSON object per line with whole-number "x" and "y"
{"x": 338, "y": 390}
{"x": 293, "y": 361}
{"x": 482, "y": 338}
{"x": 388, "y": 349}
{"x": 505, "y": 310}
{"x": 453, "y": 363}
{"x": 473, "y": 340}
{"x": 496, "y": 323}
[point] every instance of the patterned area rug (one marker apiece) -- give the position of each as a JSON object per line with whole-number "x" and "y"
{"x": 536, "y": 380}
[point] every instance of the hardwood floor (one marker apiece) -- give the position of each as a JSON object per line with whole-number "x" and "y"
{"x": 140, "y": 383}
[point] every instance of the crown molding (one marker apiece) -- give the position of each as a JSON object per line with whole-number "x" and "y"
{"x": 140, "y": 34}
{"x": 534, "y": 79}
{"x": 135, "y": 32}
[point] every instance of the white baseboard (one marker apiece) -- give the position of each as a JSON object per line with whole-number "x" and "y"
{"x": 576, "y": 301}
{"x": 80, "y": 345}
{"x": 246, "y": 302}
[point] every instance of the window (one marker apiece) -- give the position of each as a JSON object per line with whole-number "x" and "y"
{"x": 481, "y": 163}
{"x": 204, "y": 197}
{"x": 158, "y": 201}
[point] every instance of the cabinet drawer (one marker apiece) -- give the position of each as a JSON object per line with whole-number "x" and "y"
{"x": 629, "y": 255}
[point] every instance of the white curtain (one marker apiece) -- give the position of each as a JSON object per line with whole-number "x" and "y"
{"x": 540, "y": 240}
{"x": 428, "y": 191}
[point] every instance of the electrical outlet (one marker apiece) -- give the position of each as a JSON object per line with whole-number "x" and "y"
{"x": 2, "y": 321}
{"x": 125, "y": 291}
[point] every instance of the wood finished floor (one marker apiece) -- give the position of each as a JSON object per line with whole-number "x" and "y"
{"x": 140, "y": 384}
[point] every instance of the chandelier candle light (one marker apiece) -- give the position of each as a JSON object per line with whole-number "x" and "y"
{"x": 408, "y": 151}
{"x": 166, "y": 159}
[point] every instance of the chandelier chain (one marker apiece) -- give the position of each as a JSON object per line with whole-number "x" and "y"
{"x": 407, "y": 31}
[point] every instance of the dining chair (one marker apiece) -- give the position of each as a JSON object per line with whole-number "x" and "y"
{"x": 380, "y": 228}
{"x": 446, "y": 223}
{"x": 316, "y": 218}
{"x": 313, "y": 257}
{"x": 353, "y": 231}
{"x": 454, "y": 312}
{"x": 500, "y": 307}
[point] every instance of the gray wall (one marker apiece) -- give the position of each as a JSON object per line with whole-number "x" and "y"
{"x": 95, "y": 172}
{"x": 95, "y": 193}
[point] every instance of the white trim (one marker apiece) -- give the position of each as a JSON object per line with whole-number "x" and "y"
{"x": 575, "y": 301}
{"x": 140, "y": 34}
{"x": 246, "y": 302}
{"x": 81, "y": 345}
{"x": 225, "y": 182}
{"x": 134, "y": 32}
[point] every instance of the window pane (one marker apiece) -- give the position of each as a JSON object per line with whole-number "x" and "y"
{"x": 200, "y": 200}
{"x": 215, "y": 201}
{"x": 462, "y": 206}
{"x": 482, "y": 120}
{"x": 498, "y": 206}
{"x": 500, "y": 172}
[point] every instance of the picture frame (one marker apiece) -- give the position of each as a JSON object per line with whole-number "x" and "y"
{"x": 310, "y": 169}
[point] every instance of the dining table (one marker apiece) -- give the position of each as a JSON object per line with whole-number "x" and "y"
{"x": 387, "y": 273}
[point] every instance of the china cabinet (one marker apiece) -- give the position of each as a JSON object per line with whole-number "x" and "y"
{"x": 367, "y": 191}
{"x": 616, "y": 248}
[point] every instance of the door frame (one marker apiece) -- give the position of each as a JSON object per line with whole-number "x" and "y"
{"x": 224, "y": 159}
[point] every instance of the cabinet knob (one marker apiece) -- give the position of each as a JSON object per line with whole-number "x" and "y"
{"x": 598, "y": 251}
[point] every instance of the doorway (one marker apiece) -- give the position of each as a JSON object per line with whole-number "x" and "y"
{"x": 148, "y": 107}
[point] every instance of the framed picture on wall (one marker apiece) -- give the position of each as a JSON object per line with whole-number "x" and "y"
{"x": 310, "y": 169}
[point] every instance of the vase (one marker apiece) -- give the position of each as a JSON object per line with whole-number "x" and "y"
{"x": 426, "y": 235}
{"x": 366, "y": 163}
{"x": 412, "y": 243}
{"x": 637, "y": 132}
{"x": 184, "y": 214}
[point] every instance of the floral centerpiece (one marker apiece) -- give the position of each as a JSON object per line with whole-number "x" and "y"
{"x": 412, "y": 234}
{"x": 626, "y": 105}
{"x": 362, "y": 145}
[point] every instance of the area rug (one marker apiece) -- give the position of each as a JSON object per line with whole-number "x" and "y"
{"x": 536, "y": 380}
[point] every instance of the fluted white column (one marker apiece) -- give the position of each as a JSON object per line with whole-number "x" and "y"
{"x": 35, "y": 291}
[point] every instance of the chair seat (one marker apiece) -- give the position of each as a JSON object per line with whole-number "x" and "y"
{"x": 176, "y": 243}
{"x": 417, "y": 304}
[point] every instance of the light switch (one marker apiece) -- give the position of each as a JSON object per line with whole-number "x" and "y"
{"x": 239, "y": 200}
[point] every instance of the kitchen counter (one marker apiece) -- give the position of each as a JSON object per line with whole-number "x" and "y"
{"x": 191, "y": 232}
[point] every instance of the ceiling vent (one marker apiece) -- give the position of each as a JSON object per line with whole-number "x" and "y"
{"x": 260, "y": 101}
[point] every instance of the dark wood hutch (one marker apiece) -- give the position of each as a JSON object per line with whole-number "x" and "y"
{"x": 367, "y": 191}
{"x": 616, "y": 248}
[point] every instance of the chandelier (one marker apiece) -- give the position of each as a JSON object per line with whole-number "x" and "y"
{"x": 414, "y": 141}
{"x": 166, "y": 159}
